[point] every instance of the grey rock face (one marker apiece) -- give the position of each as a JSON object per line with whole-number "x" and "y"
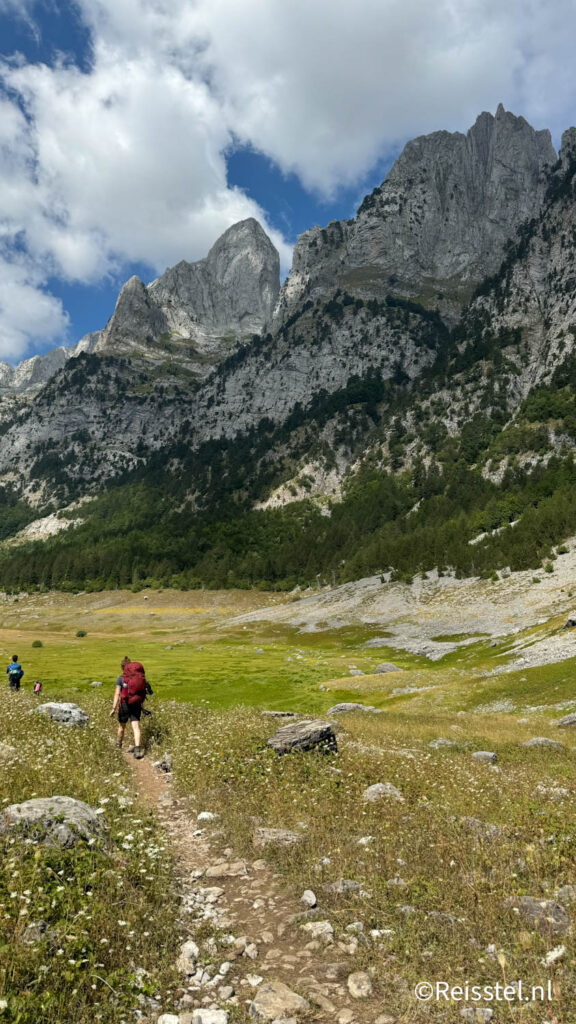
{"x": 213, "y": 303}
{"x": 440, "y": 220}
{"x": 544, "y": 915}
{"x": 54, "y": 821}
{"x": 340, "y": 709}
{"x": 304, "y": 736}
{"x": 64, "y": 713}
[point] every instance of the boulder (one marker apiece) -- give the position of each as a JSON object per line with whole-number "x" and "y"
{"x": 570, "y": 621}
{"x": 340, "y": 709}
{"x": 567, "y": 721}
{"x": 302, "y": 736}
{"x": 543, "y": 741}
{"x": 544, "y": 915}
{"x": 385, "y": 667}
{"x": 321, "y": 930}
{"x": 275, "y": 1000}
{"x": 54, "y": 821}
{"x": 276, "y": 837}
{"x": 382, "y": 791}
{"x": 485, "y": 756}
{"x": 65, "y": 714}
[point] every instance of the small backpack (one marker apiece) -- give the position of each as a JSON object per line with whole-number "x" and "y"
{"x": 134, "y": 689}
{"x": 37, "y": 686}
{"x": 15, "y": 672}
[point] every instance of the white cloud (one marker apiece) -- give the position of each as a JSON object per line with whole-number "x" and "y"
{"x": 27, "y": 313}
{"x": 128, "y": 162}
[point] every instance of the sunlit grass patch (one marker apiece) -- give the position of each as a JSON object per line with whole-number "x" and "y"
{"x": 76, "y": 924}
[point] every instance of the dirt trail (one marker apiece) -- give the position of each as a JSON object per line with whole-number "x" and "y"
{"x": 246, "y": 901}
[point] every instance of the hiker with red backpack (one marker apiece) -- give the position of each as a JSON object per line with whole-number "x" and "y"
{"x": 131, "y": 691}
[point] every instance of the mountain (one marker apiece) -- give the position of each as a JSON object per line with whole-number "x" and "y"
{"x": 403, "y": 401}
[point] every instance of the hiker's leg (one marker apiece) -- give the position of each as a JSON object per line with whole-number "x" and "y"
{"x": 136, "y": 731}
{"x": 121, "y": 728}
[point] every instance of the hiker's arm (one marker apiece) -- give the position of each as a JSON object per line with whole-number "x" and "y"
{"x": 117, "y": 693}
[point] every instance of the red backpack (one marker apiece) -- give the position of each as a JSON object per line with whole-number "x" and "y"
{"x": 134, "y": 689}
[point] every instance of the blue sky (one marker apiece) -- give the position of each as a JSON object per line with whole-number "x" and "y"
{"x": 133, "y": 132}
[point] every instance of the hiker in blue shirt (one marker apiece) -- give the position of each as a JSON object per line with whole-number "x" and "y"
{"x": 15, "y": 673}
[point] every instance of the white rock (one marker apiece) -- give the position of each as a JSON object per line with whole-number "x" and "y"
{"x": 308, "y": 898}
{"x": 206, "y": 816}
{"x": 319, "y": 930}
{"x": 553, "y": 956}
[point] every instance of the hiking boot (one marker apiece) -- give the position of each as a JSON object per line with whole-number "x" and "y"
{"x": 138, "y": 752}
{"x": 119, "y": 744}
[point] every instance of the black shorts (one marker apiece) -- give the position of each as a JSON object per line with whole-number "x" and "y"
{"x": 126, "y": 714}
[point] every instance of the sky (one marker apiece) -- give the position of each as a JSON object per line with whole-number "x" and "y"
{"x": 134, "y": 132}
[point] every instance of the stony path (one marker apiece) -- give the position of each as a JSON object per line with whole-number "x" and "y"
{"x": 258, "y": 954}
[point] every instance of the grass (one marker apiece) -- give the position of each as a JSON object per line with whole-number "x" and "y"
{"x": 218, "y": 740}
{"x": 103, "y": 906}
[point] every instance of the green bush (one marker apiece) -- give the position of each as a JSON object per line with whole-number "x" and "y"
{"x": 81, "y": 632}
{"x": 37, "y": 643}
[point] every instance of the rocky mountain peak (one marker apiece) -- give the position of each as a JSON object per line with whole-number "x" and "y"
{"x": 440, "y": 220}
{"x": 209, "y": 305}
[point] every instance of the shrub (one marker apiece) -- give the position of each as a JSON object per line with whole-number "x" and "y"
{"x": 81, "y": 632}
{"x": 37, "y": 643}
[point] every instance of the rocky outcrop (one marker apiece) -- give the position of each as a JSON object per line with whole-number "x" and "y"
{"x": 54, "y": 821}
{"x": 438, "y": 223}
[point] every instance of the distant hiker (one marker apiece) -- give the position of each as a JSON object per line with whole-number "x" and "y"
{"x": 37, "y": 686}
{"x": 131, "y": 691}
{"x": 15, "y": 673}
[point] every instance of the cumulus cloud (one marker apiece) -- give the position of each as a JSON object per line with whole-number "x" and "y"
{"x": 127, "y": 162}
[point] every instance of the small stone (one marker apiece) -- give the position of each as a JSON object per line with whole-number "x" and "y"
{"x": 359, "y": 985}
{"x": 95, "y": 683}
{"x": 346, "y": 1017}
{"x": 486, "y": 756}
{"x": 385, "y": 667}
{"x": 308, "y": 898}
{"x": 480, "y": 1014}
{"x": 251, "y": 951}
{"x": 442, "y": 742}
{"x": 209, "y": 1016}
{"x": 274, "y": 1000}
{"x": 381, "y": 791}
{"x": 385, "y": 1018}
{"x": 165, "y": 763}
{"x": 254, "y": 980}
{"x": 168, "y": 1018}
{"x": 343, "y": 886}
{"x": 566, "y": 894}
{"x": 322, "y": 930}
{"x": 206, "y": 816}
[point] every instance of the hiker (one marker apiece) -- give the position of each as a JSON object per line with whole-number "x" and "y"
{"x": 131, "y": 690}
{"x": 15, "y": 673}
{"x": 37, "y": 687}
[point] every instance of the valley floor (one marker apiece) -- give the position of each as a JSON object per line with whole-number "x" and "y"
{"x": 461, "y": 872}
